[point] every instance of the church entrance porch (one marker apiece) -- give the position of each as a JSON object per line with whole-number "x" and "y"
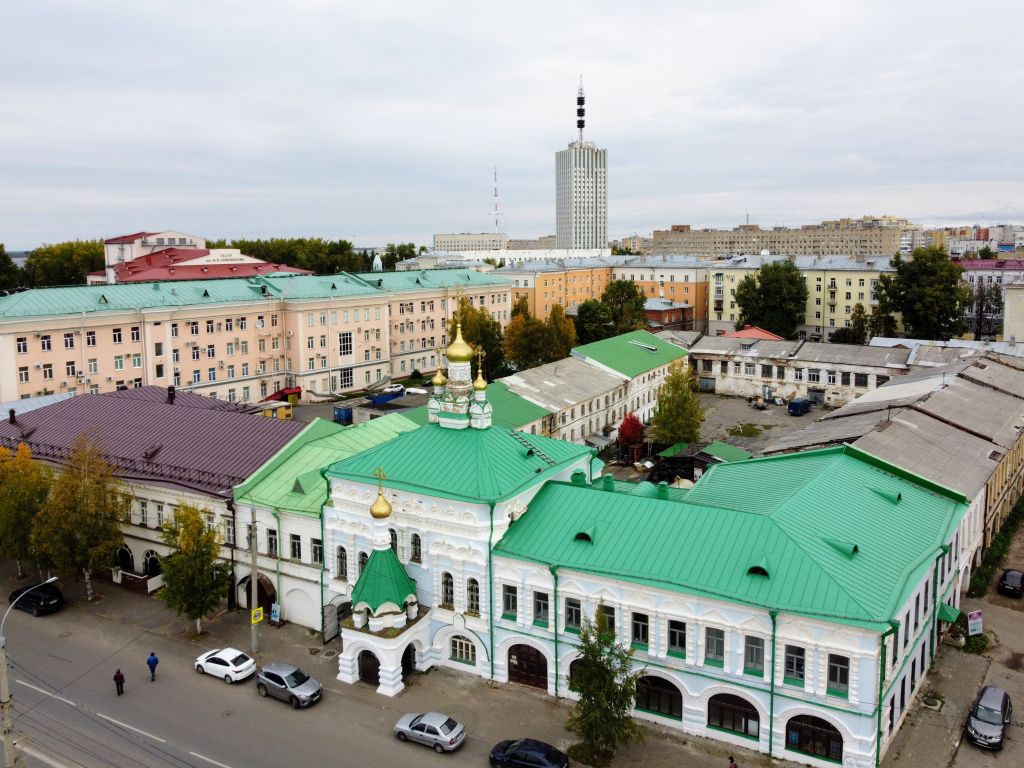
{"x": 383, "y": 661}
{"x": 527, "y": 666}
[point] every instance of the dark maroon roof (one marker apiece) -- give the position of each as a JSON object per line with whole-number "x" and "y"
{"x": 176, "y": 264}
{"x": 201, "y": 448}
{"x": 182, "y": 399}
{"x": 127, "y": 239}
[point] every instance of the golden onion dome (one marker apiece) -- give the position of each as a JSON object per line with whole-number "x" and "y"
{"x": 479, "y": 385}
{"x": 459, "y": 351}
{"x": 439, "y": 379}
{"x": 381, "y": 507}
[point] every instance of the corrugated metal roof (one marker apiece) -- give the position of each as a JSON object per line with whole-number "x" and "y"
{"x": 383, "y": 583}
{"x": 509, "y": 410}
{"x": 782, "y": 514}
{"x": 425, "y": 279}
{"x": 630, "y": 354}
{"x": 562, "y": 384}
{"x": 182, "y": 399}
{"x": 206, "y": 449}
{"x": 31, "y": 403}
{"x": 478, "y": 465}
{"x": 853, "y": 354}
{"x": 828, "y": 263}
{"x": 993, "y": 415}
{"x": 291, "y": 479}
{"x": 729, "y": 345}
{"x": 725, "y": 451}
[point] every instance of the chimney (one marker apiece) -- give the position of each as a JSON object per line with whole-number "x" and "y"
{"x": 170, "y": 395}
{"x": 10, "y": 417}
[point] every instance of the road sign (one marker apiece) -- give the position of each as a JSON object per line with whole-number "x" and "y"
{"x": 275, "y": 612}
{"x": 257, "y": 615}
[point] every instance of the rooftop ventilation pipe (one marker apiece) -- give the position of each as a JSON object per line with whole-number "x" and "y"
{"x": 170, "y": 395}
{"x": 10, "y": 417}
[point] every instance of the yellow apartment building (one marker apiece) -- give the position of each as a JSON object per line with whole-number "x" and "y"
{"x": 677, "y": 278}
{"x": 566, "y": 281}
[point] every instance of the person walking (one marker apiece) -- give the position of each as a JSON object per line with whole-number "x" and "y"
{"x": 733, "y": 763}
{"x": 151, "y": 662}
{"x": 119, "y": 682}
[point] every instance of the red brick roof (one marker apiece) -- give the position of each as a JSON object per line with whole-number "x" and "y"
{"x": 127, "y": 239}
{"x": 753, "y": 332}
{"x": 173, "y": 264}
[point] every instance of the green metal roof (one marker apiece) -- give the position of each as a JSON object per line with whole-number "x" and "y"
{"x": 672, "y": 450}
{"x": 631, "y": 353}
{"x": 510, "y": 411}
{"x": 178, "y": 293}
{"x": 726, "y": 452}
{"x": 478, "y": 465}
{"x": 383, "y": 583}
{"x": 291, "y": 479}
{"x": 781, "y": 513}
{"x": 424, "y": 279}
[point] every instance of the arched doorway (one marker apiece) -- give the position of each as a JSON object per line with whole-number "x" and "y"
{"x": 731, "y": 713}
{"x": 659, "y": 697}
{"x": 369, "y": 668}
{"x": 575, "y": 670}
{"x": 813, "y": 736}
{"x": 408, "y": 661}
{"x": 125, "y": 559}
{"x": 266, "y": 595}
{"x": 151, "y": 564}
{"x": 527, "y": 666}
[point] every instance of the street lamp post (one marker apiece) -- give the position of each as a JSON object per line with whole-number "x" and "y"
{"x": 5, "y": 689}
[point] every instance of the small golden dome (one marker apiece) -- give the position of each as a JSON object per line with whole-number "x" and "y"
{"x": 439, "y": 379}
{"x": 459, "y": 351}
{"x": 480, "y": 385}
{"x": 381, "y": 507}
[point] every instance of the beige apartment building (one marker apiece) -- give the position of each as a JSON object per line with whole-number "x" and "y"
{"x": 679, "y": 279}
{"x": 568, "y": 282}
{"x": 835, "y": 286}
{"x": 235, "y": 339}
{"x": 471, "y": 241}
{"x": 857, "y": 238}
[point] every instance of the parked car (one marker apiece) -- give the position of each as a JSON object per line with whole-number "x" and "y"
{"x": 416, "y": 391}
{"x": 799, "y": 407}
{"x": 528, "y": 752}
{"x": 228, "y": 663}
{"x": 434, "y": 729}
{"x": 393, "y": 388}
{"x": 1011, "y": 583}
{"x": 288, "y": 683}
{"x": 988, "y": 717}
{"x": 38, "y": 599}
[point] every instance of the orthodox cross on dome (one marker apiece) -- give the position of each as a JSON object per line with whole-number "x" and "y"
{"x": 381, "y": 477}
{"x": 480, "y": 355}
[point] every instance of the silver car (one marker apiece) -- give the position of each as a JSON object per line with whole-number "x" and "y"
{"x": 434, "y": 729}
{"x": 988, "y": 718}
{"x": 288, "y": 683}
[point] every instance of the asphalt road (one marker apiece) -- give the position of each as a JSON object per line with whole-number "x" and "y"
{"x": 68, "y": 714}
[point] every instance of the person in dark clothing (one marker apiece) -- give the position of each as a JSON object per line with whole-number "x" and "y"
{"x": 119, "y": 682}
{"x": 733, "y": 763}
{"x": 151, "y": 662}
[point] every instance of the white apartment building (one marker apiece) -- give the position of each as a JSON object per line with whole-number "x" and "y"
{"x": 471, "y": 241}
{"x": 581, "y": 196}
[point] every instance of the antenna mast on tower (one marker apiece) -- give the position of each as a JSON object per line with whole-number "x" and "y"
{"x": 496, "y": 230}
{"x": 580, "y": 111}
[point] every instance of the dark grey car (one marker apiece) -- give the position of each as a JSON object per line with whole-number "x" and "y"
{"x": 288, "y": 683}
{"x": 988, "y": 717}
{"x": 434, "y": 729}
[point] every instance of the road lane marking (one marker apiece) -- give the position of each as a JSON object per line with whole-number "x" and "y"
{"x": 46, "y": 693}
{"x": 40, "y": 756}
{"x": 131, "y": 728}
{"x": 211, "y": 762}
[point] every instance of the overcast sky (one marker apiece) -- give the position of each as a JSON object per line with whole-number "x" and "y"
{"x": 382, "y": 122}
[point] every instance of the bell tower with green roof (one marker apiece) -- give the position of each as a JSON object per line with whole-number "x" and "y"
{"x": 458, "y": 402}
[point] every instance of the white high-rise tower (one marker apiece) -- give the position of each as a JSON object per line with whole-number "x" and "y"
{"x": 581, "y": 184}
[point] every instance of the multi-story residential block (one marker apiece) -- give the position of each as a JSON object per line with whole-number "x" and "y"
{"x": 240, "y": 339}
{"x": 568, "y": 282}
{"x": 834, "y": 287}
{"x": 991, "y": 272}
{"x": 858, "y": 238}
{"x": 471, "y": 241}
{"x": 543, "y": 243}
{"x": 581, "y": 191}
{"x": 676, "y": 278}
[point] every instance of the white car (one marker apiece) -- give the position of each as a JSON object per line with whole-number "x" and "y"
{"x": 390, "y": 388}
{"x": 228, "y": 663}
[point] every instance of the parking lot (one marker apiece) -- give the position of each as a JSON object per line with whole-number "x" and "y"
{"x": 721, "y": 413}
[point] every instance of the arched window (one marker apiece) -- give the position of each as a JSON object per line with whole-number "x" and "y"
{"x": 342, "y": 564}
{"x": 394, "y": 540}
{"x": 447, "y": 590}
{"x": 363, "y": 557}
{"x": 463, "y": 650}
{"x": 731, "y": 713}
{"x": 473, "y": 597}
{"x": 659, "y": 697}
{"x": 575, "y": 671}
{"x": 814, "y": 736}
{"x": 416, "y": 554}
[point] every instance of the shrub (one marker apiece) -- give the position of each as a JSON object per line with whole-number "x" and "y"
{"x": 993, "y": 560}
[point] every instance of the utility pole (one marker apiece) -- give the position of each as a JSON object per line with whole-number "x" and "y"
{"x": 254, "y": 642}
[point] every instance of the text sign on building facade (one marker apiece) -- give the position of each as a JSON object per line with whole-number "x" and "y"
{"x": 974, "y": 623}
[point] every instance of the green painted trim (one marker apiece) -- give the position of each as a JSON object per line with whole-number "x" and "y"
{"x": 508, "y": 616}
{"x": 893, "y": 627}
{"x": 714, "y": 663}
{"x": 837, "y": 693}
{"x": 554, "y": 618}
{"x": 774, "y": 616}
{"x": 814, "y": 755}
{"x": 676, "y": 654}
{"x": 541, "y": 623}
{"x": 753, "y": 672}
{"x": 462, "y": 661}
{"x": 490, "y": 589}
{"x": 639, "y": 646}
{"x": 935, "y": 610}
{"x": 659, "y": 714}
{"x": 573, "y": 630}
{"x": 736, "y": 733}
{"x": 794, "y": 681}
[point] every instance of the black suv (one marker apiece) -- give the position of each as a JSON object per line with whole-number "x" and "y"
{"x": 40, "y": 598}
{"x": 1011, "y": 583}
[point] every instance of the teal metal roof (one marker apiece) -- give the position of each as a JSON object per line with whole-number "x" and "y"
{"x": 726, "y": 452}
{"x": 418, "y": 280}
{"x": 383, "y": 583}
{"x": 178, "y": 293}
{"x": 291, "y": 479}
{"x": 478, "y": 465}
{"x": 673, "y": 449}
{"x": 631, "y": 353}
{"x": 782, "y": 513}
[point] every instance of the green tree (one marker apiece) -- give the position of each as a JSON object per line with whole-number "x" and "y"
{"x": 679, "y": 414}
{"x": 625, "y": 301}
{"x": 856, "y": 332}
{"x": 10, "y": 274}
{"x": 986, "y": 253}
{"x": 593, "y": 321}
{"x": 195, "y": 578}
{"x": 521, "y": 307}
{"x": 525, "y": 338}
{"x": 882, "y": 322}
{"x": 24, "y": 486}
{"x": 929, "y": 293}
{"x": 561, "y": 335}
{"x": 78, "y": 529}
{"x": 64, "y": 263}
{"x": 396, "y": 253}
{"x": 773, "y": 298}
{"x": 603, "y": 676}
{"x": 622, "y": 250}
{"x": 481, "y": 331}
